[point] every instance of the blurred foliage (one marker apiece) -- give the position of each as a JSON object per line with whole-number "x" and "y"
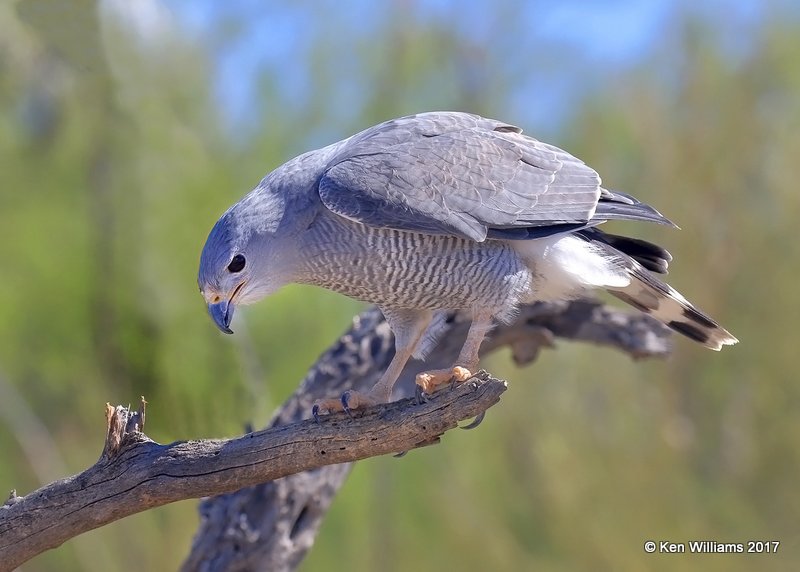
{"x": 117, "y": 159}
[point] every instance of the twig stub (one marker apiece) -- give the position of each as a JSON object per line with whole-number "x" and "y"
{"x": 120, "y": 423}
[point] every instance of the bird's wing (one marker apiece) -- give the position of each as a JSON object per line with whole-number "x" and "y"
{"x": 454, "y": 173}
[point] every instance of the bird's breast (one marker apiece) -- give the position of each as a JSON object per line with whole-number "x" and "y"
{"x": 402, "y": 269}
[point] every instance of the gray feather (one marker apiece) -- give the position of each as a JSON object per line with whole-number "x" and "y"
{"x": 455, "y": 173}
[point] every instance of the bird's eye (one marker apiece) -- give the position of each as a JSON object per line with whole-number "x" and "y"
{"x": 237, "y": 264}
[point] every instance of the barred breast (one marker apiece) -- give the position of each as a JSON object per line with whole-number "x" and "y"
{"x": 399, "y": 269}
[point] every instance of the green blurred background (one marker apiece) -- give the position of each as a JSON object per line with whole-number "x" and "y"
{"x": 126, "y": 128}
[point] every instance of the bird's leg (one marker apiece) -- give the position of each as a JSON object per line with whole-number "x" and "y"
{"x": 381, "y": 392}
{"x": 408, "y": 327}
{"x": 468, "y": 359}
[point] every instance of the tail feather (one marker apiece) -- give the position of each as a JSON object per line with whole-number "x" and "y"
{"x": 649, "y": 255}
{"x": 588, "y": 258}
{"x": 660, "y": 300}
{"x": 646, "y": 292}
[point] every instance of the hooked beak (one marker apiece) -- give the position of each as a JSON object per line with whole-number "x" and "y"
{"x": 222, "y": 313}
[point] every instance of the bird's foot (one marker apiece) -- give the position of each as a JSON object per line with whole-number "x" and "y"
{"x": 430, "y": 381}
{"x": 349, "y": 400}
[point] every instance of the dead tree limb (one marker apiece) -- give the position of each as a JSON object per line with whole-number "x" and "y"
{"x": 135, "y": 473}
{"x": 272, "y": 526}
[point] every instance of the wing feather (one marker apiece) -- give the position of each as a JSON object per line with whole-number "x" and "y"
{"x": 455, "y": 173}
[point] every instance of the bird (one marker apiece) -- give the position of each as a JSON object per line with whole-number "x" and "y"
{"x": 435, "y": 212}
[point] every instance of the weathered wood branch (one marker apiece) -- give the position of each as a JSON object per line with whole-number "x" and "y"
{"x": 135, "y": 473}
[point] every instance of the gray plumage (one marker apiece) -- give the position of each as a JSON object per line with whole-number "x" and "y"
{"x": 440, "y": 211}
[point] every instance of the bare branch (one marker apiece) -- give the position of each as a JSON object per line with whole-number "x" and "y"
{"x": 135, "y": 473}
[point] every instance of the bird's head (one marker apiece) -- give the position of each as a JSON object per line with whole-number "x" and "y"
{"x": 244, "y": 258}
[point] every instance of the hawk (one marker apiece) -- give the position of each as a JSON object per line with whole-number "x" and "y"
{"x": 436, "y": 212}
